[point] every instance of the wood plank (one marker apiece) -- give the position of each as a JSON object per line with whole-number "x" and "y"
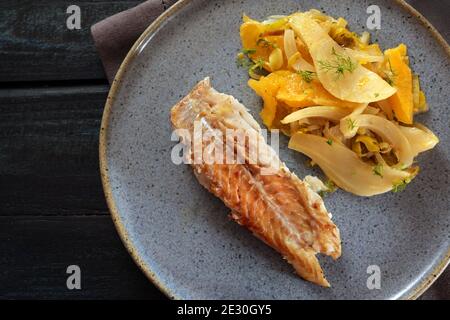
{"x": 35, "y": 43}
{"x": 37, "y": 250}
{"x": 49, "y": 151}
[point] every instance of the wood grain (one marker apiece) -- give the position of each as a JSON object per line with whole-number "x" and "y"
{"x": 49, "y": 151}
{"x": 36, "y": 252}
{"x": 36, "y": 45}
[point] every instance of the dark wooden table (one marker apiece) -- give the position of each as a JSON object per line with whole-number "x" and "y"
{"x": 52, "y": 210}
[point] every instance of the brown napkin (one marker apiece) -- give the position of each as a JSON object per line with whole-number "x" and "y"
{"x": 115, "y": 35}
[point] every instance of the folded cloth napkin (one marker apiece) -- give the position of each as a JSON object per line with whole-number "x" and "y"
{"x": 114, "y": 36}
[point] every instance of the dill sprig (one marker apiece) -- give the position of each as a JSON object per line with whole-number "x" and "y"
{"x": 331, "y": 187}
{"x": 351, "y": 124}
{"x": 378, "y": 170}
{"x": 390, "y": 75}
{"x": 243, "y": 58}
{"x": 266, "y": 43}
{"x": 254, "y": 67}
{"x": 248, "y": 51}
{"x": 255, "y": 71}
{"x": 400, "y": 186}
{"x": 340, "y": 65}
{"x": 307, "y": 76}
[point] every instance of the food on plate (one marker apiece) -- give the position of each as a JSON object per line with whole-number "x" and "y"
{"x": 343, "y": 102}
{"x": 261, "y": 192}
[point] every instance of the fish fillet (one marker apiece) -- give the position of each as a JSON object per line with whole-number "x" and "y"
{"x": 263, "y": 195}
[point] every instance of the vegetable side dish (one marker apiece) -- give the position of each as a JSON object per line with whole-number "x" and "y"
{"x": 343, "y": 102}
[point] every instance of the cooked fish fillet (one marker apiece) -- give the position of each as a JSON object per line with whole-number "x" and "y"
{"x": 261, "y": 192}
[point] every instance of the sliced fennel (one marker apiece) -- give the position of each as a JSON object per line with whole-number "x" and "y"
{"x": 363, "y": 57}
{"x": 290, "y": 47}
{"x": 389, "y": 132}
{"x": 344, "y": 167}
{"x": 330, "y": 113}
{"x": 354, "y": 82}
{"x": 420, "y": 138}
{"x": 294, "y": 58}
{"x": 348, "y": 124}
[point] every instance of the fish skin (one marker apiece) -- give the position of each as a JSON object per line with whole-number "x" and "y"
{"x": 278, "y": 207}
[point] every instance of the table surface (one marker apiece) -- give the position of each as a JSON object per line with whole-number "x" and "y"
{"x": 53, "y": 213}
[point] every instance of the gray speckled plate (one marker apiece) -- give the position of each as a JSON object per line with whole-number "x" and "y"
{"x": 180, "y": 235}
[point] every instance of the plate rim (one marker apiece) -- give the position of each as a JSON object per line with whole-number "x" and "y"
{"x": 139, "y": 45}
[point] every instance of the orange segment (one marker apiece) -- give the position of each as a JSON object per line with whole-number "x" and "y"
{"x": 251, "y": 32}
{"x": 267, "y": 88}
{"x": 402, "y": 101}
{"x": 289, "y": 89}
{"x": 297, "y": 93}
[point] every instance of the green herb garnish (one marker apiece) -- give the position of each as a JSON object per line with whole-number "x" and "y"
{"x": 245, "y": 61}
{"x": 265, "y": 43}
{"x": 399, "y": 187}
{"x": 248, "y": 51}
{"x": 390, "y": 75}
{"x": 378, "y": 170}
{"x": 258, "y": 65}
{"x": 255, "y": 70}
{"x": 330, "y": 142}
{"x": 307, "y": 76}
{"x": 243, "y": 58}
{"x": 331, "y": 187}
{"x": 351, "y": 124}
{"x": 339, "y": 65}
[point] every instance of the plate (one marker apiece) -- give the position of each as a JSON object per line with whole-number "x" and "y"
{"x": 181, "y": 236}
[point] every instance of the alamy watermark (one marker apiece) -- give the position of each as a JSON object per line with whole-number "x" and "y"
{"x": 208, "y": 146}
{"x": 374, "y": 280}
{"x": 73, "y": 281}
{"x": 374, "y": 20}
{"x": 73, "y": 21}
